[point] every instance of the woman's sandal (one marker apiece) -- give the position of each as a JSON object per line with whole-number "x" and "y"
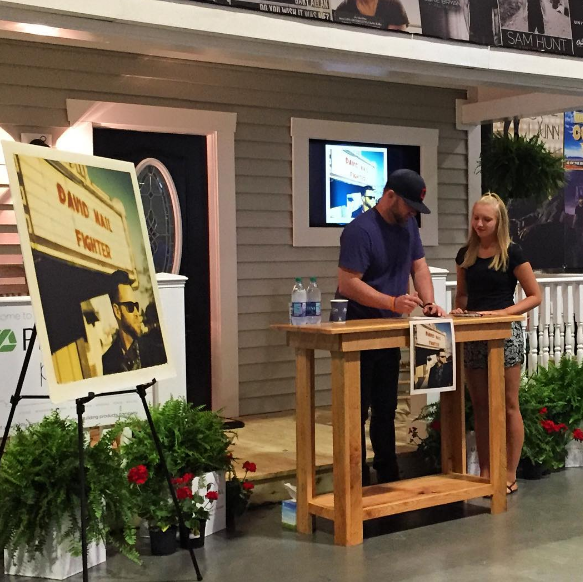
{"x": 512, "y": 488}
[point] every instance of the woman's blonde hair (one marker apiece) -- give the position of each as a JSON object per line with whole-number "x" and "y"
{"x": 500, "y": 259}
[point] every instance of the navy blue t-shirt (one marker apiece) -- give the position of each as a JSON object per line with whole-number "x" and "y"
{"x": 383, "y": 253}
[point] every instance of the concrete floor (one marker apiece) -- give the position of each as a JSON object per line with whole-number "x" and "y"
{"x": 540, "y": 538}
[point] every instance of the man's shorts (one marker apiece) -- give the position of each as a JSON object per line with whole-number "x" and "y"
{"x": 476, "y": 353}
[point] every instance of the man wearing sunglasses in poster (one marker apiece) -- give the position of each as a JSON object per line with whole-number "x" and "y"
{"x": 368, "y": 200}
{"x": 130, "y": 349}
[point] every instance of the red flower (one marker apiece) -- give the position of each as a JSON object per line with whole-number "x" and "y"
{"x": 212, "y": 495}
{"x": 549, "y": 426}
{"x": 188, "y": 477}
{"x": 247, "y": 485}
{"x": 249, "y": 466}
{"x": 184, "y": 493}
{"x": 560, "y": 427}
{"x": 435, "y": 425}
{"x": 543, "y": 410}
{"x": 176, "y": 480}
{"x": 578, "y": 434}
{"x": 138, "y": 475}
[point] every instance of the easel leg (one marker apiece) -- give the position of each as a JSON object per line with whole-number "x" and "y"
{"x": 141, "y": 390}
{"x": 453, "y": 422}
{"x": 83, "y": 493}
{"x": 497, "y": 402}
{"x": 16, "y": 396}
{"x": 305, "y": 438}
{"x": 346, "y": 423}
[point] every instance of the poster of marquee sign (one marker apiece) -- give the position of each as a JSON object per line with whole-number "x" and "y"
{"x": 554, "y": 26}
{"x": 89, "y": 271}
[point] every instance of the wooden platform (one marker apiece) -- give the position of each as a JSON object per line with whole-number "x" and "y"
{"x": 269, "y": 440}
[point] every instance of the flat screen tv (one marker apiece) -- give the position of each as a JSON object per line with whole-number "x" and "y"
{"x": 348, "y": 178}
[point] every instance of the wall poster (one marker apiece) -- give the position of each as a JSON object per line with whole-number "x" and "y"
{"x": 554, "y": 26}
{"x": 89, "y": 270}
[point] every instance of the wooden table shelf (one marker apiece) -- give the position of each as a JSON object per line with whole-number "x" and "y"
{"x": 409, "y": 495}
{"x": 350, "y": 504}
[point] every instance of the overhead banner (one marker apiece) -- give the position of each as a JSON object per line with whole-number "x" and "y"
{"x": 552, "y": 26}
{"x": 89, "y": 271}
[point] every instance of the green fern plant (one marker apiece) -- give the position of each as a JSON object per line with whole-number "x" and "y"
{"x": 194, "y": 441}
{"x": 39, "y": 491}
{"x": 514, "y": 166}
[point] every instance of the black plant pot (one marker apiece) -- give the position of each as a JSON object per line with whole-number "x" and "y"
{"x": 163, "y": 543}
{"x": 532, "y": 470}
{"x": 186, "y": 541}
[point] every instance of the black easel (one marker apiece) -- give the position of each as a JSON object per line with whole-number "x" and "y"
{"x": 81, "y": 402}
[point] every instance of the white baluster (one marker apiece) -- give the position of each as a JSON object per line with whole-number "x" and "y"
{"x": 533, "y": 336}
{"x": 579, "y": 320}
{"x": 559, "y": 335}
{"x": 569, "y": 316}
{"x": 449, "y": 299}
{"x": 546, "y": 313}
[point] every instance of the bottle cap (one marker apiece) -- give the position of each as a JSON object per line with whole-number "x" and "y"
{"x": 313, "y": 279}
{"x": 298, "y": 279}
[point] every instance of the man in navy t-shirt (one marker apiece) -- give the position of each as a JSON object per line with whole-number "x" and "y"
{"x": 378, "y": 251}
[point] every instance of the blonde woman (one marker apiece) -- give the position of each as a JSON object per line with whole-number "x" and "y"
{"x": 488, "y": 269}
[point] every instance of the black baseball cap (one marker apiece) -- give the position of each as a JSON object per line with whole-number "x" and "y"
{"x": 410, "y": 186}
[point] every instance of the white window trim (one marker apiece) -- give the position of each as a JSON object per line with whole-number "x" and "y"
{"x": 219, "y": 129}
{"x": 302, "y": 130}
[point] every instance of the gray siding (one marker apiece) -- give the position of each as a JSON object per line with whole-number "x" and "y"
{"x": 38, "y": 78}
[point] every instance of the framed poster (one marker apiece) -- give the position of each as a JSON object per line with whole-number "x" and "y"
{"x": 432, "y": 355}
{"x": 89, "y": 270}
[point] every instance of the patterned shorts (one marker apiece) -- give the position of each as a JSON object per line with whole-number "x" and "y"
{"x": 476, "y": 353}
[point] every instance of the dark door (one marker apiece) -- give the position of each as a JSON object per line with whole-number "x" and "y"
{"x": 184, "y": 156}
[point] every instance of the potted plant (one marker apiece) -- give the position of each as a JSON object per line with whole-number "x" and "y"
{"x": 155, "y": 505}
{"x": 194, "y": 442}
{"x": 517, "y": 167}
{"x": 238, "y": 489}
{"x": 40, "y": 500}
{"x": 196, "y": 499}
{"x": 545, "y": 436}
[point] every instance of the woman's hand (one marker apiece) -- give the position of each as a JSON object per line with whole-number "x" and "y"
{"x": 497, "y": 312}
{"x": 458, "y": 311}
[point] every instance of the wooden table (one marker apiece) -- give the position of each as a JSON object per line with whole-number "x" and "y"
{"x": 350, "y": 503}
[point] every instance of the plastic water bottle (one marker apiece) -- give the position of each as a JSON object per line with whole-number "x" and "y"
{"x": 298, "y": 303}
{"x": 314, "y": 304}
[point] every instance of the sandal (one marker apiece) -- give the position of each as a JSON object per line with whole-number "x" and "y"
{"x": 512, "y": 488}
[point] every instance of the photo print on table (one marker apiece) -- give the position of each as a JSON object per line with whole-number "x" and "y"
{"x": 89, "y": 270}
{"x": 432, "y": 355}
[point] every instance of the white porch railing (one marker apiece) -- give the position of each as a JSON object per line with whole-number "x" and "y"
{"x": 555, "y": 328}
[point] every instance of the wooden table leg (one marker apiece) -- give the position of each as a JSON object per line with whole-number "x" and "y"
{"x": 347, "y": 458}
{"x": 497, "y": 403}
{"x": 305, "y": 438}
{"x": 453, "y": 422}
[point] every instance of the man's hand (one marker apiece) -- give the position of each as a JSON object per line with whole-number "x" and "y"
{"x": 406, "y": 303}
{"x": 433, "y": 310}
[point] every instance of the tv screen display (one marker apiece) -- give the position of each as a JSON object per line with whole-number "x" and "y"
{"x": 347, "y": 178}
